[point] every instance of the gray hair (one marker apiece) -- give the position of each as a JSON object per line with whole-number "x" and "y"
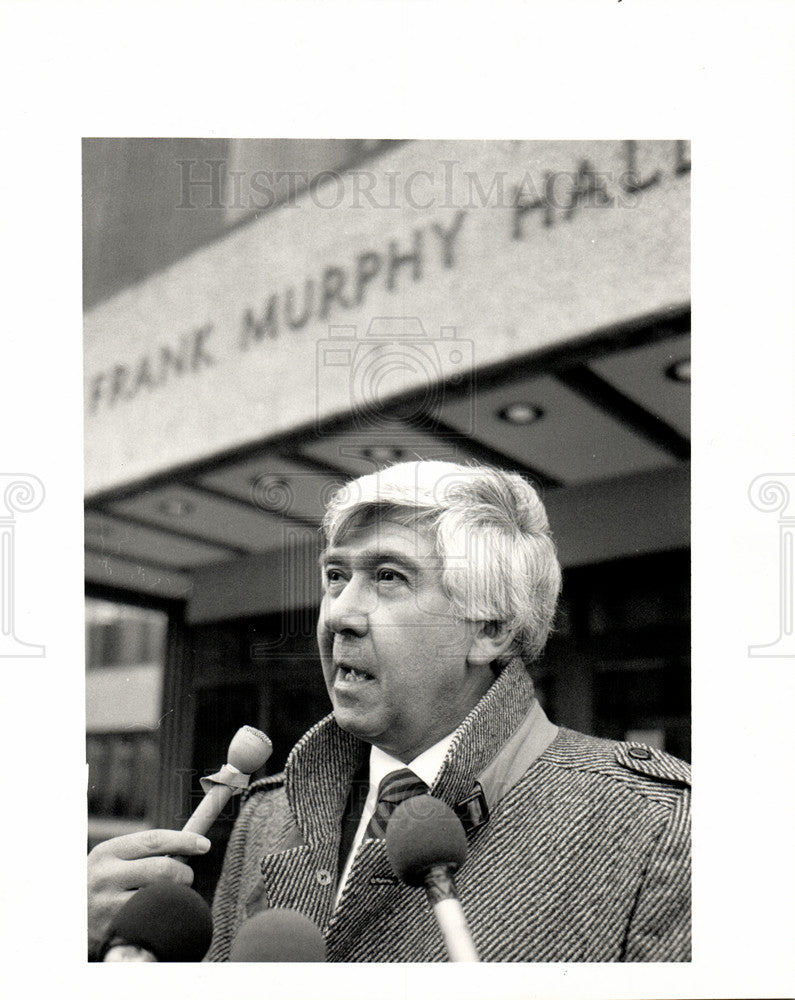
{"x": 489, "y": 529}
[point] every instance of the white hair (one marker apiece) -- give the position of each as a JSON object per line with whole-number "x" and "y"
{"x": 489, "y": 529}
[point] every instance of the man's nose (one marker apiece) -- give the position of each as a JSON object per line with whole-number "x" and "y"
{"x": 349, "y": 611}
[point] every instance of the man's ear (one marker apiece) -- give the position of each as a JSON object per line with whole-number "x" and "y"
{"x": 490, "y": 641}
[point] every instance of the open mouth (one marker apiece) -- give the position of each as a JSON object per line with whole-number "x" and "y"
{"x": 350, "y": 675}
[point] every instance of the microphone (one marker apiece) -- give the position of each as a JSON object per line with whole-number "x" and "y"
{"x": 278, "y": 935}
{"x": 163, "y": 922}
{"x": 248, "y": 751}
{"x": 426, "y": 845}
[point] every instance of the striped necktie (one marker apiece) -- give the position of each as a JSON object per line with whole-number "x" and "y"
{"x": 395, "y": 787}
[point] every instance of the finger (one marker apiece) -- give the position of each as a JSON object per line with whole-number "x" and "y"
{"x": 140, "y": 873}
{"x": 149, "y": 843}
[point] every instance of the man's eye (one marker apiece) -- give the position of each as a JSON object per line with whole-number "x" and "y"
{"x": 389, "y": 576}
{"x": 333, "y": 576}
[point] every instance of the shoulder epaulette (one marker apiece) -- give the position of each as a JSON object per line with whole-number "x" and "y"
{"x": 652, "y": 763}
{"x": 267, "y": 784}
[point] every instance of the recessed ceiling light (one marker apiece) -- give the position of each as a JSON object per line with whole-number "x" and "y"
{"x": 520, "y": 413}
{"x": 383, "y": 453}
{"x": 679, "y": 371}
{"x": 176, "y": 508}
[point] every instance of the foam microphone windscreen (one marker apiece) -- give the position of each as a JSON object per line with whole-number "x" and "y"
{"x": 249, "y": 750}
{"x": 278, "y": 935}
{"x": 172, "y": 921}
{"x": 424, "y": 832}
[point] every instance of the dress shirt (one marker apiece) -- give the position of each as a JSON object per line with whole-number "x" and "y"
{"x": 426, "y": 766}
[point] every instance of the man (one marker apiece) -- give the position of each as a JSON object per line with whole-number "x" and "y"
{"x": 440, "y": 584}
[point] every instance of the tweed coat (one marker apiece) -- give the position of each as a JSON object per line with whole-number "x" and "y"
{"x": 586, "y": 858}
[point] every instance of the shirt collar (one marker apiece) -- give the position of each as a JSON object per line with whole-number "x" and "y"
{"x": 426, "y": 766}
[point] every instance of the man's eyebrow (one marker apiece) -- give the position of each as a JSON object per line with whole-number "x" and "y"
{"x": 372, "y": 557}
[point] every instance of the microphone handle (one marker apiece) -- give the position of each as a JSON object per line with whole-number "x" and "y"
{"x": 208, "y": 810}
{"x": 206, "y": 813}
{"x": 123, "y": 952}
{"x": 440, "y": 887}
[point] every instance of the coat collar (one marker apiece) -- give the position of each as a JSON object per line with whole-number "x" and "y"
{"x": 320, "y": 768}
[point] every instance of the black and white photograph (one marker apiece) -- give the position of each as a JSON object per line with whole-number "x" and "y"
{"x": 400, "y": 430}
{"x": 392, "y": 576}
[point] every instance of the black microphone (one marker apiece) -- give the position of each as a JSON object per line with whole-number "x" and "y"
{"x": 278, "y": 935}
{"x": 162, "y": 922}
{"x": 426, "y": 845}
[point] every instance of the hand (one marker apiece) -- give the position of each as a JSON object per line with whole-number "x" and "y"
{"x": 117, "y": 867}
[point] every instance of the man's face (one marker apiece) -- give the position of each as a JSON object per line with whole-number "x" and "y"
{"x": 394, "y": 657}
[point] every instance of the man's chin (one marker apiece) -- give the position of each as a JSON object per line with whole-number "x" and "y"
{"x": 354, "y": 723}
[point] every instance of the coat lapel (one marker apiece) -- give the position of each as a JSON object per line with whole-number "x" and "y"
{"x": 303, "y": 874}
{"x": 301, "y": 878}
